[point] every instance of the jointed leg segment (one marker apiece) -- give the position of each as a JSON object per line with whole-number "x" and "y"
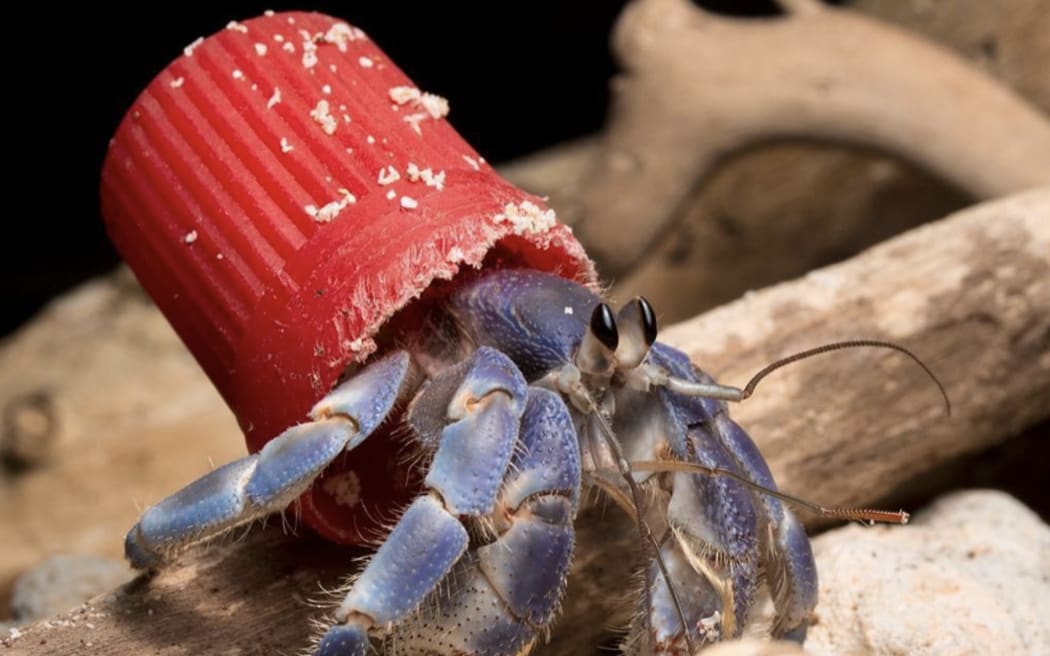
{"x": 270, "y": 480}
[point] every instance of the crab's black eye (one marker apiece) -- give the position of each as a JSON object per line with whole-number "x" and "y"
{"x": 648, "y": 320}
{"x": 603, "y": 326}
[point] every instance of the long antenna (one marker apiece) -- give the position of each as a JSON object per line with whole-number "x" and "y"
{"x": 851, "y": 514}
{"x": 660, "y": 376}
{"x": 749, "y": 389}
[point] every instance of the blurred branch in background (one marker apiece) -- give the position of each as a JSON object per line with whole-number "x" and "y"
{"x": 699, "y": 87}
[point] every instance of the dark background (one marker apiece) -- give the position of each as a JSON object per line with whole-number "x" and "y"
{"x": 73, "y": 74}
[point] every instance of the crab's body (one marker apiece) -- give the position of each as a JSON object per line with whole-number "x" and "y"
{"x": 510, "y": 392}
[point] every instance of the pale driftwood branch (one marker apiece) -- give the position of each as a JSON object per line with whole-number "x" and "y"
{"x": 971, "y": 294}
{"x": 698, "y": 87}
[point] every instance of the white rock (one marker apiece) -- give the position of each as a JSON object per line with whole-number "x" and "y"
{"x": 62, "y": 582}
{"x": 970, "y": 575}
{"x": 754, "y": 647}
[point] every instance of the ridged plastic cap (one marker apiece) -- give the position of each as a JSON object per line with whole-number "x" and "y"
{"x": 281, "y": 190}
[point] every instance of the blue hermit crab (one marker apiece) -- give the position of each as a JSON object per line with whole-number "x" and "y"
{"x": 359, "y": 284}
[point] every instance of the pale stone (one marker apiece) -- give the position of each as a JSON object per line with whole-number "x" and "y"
{"x": 971, "y": 575}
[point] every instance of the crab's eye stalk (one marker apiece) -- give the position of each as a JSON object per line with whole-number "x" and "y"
{"x": 599, "y": 343}
{"x": 603, "y": 326}
{"x": 638, "y": 332}
{"x": 648, "y": 320}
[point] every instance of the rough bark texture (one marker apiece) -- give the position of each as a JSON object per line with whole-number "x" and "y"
{"x": 971, "y": 294}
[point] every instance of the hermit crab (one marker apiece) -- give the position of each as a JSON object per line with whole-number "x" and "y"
{"x": 398, "y": 329}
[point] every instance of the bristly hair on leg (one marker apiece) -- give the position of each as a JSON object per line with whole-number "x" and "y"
{"x": 643, "y": 528}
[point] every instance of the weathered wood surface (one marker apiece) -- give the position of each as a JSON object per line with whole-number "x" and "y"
{"x": 970, "y": 294}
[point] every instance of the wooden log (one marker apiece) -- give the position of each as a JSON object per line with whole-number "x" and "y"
{"x": 969, "y": 294}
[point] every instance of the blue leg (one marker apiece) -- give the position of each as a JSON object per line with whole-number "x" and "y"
{"x": 483, "y": 401}
{"x": 270, "y": 480}
{"x": 711, "y": 552}
{"x": 659, "y": 630}
{"x": 787, "y": 558}
{"x": 786, "y": 552}
{"x": 499, "y": 597}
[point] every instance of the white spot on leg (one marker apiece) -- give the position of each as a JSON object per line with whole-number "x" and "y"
{"x": 708, "y": 627}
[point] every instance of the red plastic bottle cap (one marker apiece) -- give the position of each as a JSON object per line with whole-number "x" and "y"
{"x": 281, "y": 190}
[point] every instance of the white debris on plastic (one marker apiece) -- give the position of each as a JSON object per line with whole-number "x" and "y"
{"x": 427, "y": 176}
{"x": 188, "y": 50}
{"x": 274, "y": 99}
{"x": 414, "y": 120}
{"x": 526, "y": 218}
{"x": 237, "y": 27}
{"x": 285, "y": 146}
{"x": 238, "y": 74}
{"x": 177, "y": 82}
{"x": 260, "y": 49}
{"x": 456, "y": 255}
{"x": 433, "y": 105}
{"x": 340, "y": 34}
{"x": 329, "y": 212}
{"x": 472, "y": 162}
{"x": 402, "y": 95}
{"x": 190, "y": 237}
{"x": 409, "y": 203}
{"x": 322, "y": 116}
{"x": 309, "y": 49}
{"x": 388, "y": 175}
{"x": 365, "y": 62}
